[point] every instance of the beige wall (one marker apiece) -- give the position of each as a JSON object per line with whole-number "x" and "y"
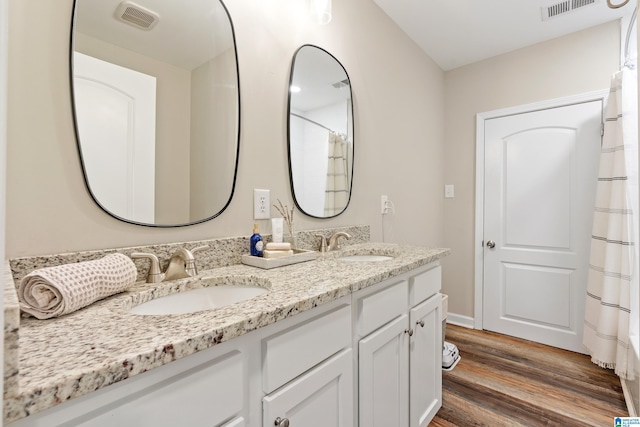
{"x": 399, "y": 132}
{"x": 214, "y": 120}
{"x": 581, "y": 62}
{"x": 400, "y": 144}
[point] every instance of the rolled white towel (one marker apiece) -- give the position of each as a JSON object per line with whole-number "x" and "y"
{"x": 55, "y": 291}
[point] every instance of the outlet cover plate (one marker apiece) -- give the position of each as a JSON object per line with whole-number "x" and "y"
{"x": 261, "y": 204}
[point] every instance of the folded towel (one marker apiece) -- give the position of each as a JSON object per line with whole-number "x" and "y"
{"x": 276, "y": 254}
{"x": 54, "y": 291}
{"x": 278, "y": 246}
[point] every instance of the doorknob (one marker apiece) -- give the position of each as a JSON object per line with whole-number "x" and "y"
{"x": 281, "y": 422}
{"x": 491, "y": 244}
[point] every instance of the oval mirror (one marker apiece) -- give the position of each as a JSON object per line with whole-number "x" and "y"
{"x": 320, "y": 133}
{"x": 157, "y": 107}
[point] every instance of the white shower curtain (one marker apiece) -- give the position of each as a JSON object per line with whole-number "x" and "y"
{"x": 336, "y": 193}
{"x": 611, "y": 313}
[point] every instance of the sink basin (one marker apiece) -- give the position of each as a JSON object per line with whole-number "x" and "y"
{"x": 365, "y": 258}
{"x": 199, "y": 299}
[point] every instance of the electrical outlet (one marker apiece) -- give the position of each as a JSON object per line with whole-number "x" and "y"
{"x": 261, "y": 204}
{"x": 383, "y": 204}
{"x": 448, "y": 191}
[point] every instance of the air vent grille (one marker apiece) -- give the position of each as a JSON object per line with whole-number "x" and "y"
{"x": 341, "y": 84}
{"x": 566, "y": 6}
{"x": 137, "y": 15}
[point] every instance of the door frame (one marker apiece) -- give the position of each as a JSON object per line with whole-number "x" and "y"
{"x": 599, "y": 95}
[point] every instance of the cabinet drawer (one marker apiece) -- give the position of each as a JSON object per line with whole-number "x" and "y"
{"x": 381, "y": 307}
{"x": 425, "y": 285}
{"x": 293, "y": 351}
{"x": 186, "y": 399}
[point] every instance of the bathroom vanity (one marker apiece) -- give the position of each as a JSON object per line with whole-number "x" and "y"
{"x": 332, "y": 343}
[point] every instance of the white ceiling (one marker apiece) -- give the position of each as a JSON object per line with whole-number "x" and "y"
{"x": 460, "y": 32}
{"x": 188, "y": 34}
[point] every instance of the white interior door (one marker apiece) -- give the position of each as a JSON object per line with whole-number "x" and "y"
{"x": 116, "y": 116}
{"x": 540, "y": 177}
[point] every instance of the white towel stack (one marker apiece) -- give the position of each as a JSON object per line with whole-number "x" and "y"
{"x": 55, "y": 291}
{"x": 277, "y": 250}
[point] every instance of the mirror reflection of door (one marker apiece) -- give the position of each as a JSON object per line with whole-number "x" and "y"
{"x": 119, "y": 148}
{"x": 188, "y": 47}
{"x": 320, "y": 133}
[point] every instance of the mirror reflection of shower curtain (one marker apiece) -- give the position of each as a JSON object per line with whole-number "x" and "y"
{"x": 336, "y": 193}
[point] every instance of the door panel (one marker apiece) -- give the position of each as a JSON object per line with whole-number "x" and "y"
{"x": 529, "y": 287}
{"x": 540, "y": 180}
{"x": 537, "y": 212}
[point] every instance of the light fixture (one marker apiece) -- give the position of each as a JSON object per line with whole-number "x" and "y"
{"x": 321, "y": 10}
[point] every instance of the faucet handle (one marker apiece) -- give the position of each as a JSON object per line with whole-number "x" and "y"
{"x": 323, "y": 243}
{"x": 154, "y": 275}
{"x": 194, "y": 267}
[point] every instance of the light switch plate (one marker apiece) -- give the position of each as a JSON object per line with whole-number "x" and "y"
{"x": 261, "y": 204}
{"x": 448, "y": 191}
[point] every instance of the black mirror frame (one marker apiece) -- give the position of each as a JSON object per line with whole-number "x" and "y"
{"x": 77, "y": 133}
{"x": 293, "y": 193}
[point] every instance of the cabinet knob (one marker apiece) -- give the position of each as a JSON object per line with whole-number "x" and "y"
{"x": 409, "y": 331}
{"x": 282, "y": 422}
{"x": 421, "y": 323}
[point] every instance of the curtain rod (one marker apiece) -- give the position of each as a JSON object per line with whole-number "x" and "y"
{"x": 311, "y": 121}
{"x": 632, "y": 22}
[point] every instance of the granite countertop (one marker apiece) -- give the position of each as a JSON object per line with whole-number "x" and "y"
{"x": 102, "y": 344}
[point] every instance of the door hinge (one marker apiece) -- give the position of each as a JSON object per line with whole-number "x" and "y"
{"x": 602, "y": 129}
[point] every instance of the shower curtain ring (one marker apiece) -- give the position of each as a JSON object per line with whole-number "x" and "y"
{"x": 616, "y": 6}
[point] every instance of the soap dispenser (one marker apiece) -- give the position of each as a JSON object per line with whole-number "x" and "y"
{"x": 256, "y": 244}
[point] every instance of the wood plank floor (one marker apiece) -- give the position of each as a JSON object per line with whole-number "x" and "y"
{"x": 505, "y": 381}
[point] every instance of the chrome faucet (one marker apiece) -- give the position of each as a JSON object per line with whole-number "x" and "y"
{"x": 334, "y": 243}
{"x": 182, "y": 264}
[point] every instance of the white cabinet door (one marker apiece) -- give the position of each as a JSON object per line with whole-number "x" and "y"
{"x": 425, "y": 361}
{"x": 384, "y": 376}
{"x": 322, "y": 397}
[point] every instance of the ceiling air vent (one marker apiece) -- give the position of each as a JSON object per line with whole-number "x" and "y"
{"x": 563, "y": 7}
{"x": 136, "y": 15}
{"x": 341, "y": 84}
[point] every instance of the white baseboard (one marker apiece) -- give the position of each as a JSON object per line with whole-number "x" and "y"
{"x": 459, "y": 320}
